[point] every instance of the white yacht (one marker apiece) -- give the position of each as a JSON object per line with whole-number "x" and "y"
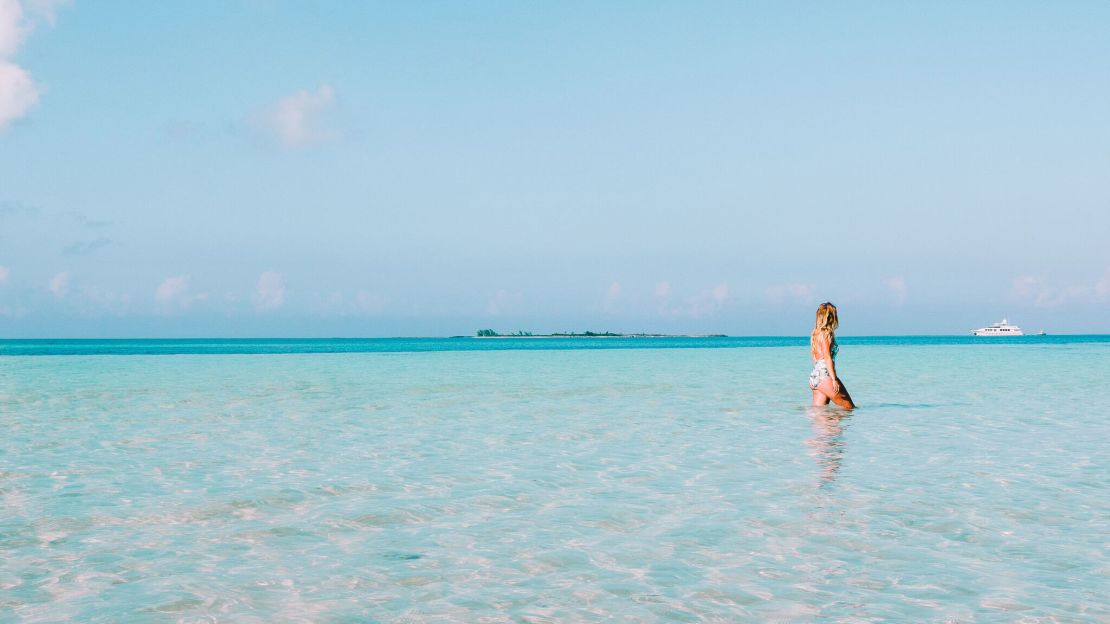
{"x": 998, "y": 329}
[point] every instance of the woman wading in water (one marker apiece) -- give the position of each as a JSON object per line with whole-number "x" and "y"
{"x": 823, "y": 381}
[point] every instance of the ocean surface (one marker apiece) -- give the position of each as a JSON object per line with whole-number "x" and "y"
{"x": 554, "y": 480}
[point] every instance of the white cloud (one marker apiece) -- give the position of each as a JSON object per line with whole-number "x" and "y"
{"x": 369, "y": 302}
{"x": 663, "y": 292}
{"x": 1102, "y": 286}
{"x": 94, "y": 300}
{"x": 18, "y": 91}
{"x": 171, "y": 289}
{"x": 269, "y": 293}
{"x": 175, "y": 292}
{"x": 897, "y": 286}
{"x": 704, "y": 303}
{"x": 1042, "y": 294}
{"x": 338, "y": 303}
{"x": 504, "y": 302}
{"x": 13, "y": 29}
{"x": 1026, "y": 285}
{"x": 5, "y": 272}
{"x": 708, "y": 302}
{"x": 612, "y": 296}
{"x": 15, "y": 311}
{"x": 799, "y": 293}
{"x": 294, "y": 120}
{"x": 333, "y": 303}
{"x": 59, "y": 284}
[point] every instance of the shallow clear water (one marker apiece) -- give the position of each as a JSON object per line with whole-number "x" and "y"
{"x": 569, "y": 484}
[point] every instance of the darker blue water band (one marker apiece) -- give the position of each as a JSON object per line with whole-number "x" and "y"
{"x": 261, "y": 346}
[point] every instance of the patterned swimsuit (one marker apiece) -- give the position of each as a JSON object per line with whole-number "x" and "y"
{"x": 821, "y": 369}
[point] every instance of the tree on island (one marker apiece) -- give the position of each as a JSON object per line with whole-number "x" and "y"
{"x": 489, "y": 333}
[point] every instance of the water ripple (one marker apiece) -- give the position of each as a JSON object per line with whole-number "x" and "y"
{"x": 555, "y": 486}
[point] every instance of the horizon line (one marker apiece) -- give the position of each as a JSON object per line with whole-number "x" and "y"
{"x": 506, "y": 336}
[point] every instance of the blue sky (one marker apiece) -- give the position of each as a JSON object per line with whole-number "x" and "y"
{"x": 265, "y": 168}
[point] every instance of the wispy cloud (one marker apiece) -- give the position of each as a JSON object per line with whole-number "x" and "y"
{"x": 95, "y": 300}
{"x": 5, "y": 272}
{"x": 295, "y": 120}
{"x": 703, "y": 303}
{"x": 897, "y": 287}
{"x": 87, "y": 221}
{"x": 663, "y": 290}
{"x": 370, "y": 302}
{"x": 84, "y": 248}
{"x": 59, "y": 285}
{"x": 17, "y": 209}
{"x": 1102, "y": 286}
{"x": 269, "y": 292}
{"x": 1026, "y": 285}
{"x": 798, "y": 293}
{"x": 175, "y": 292}
{"x": 612, "y": 297}
{"x": 504, "y": 302}
{"x": 338, "y": 303}
{"x": 18, "y": 91}
{"x": 708, "y": 302}
{"x": 1043, "y": 294}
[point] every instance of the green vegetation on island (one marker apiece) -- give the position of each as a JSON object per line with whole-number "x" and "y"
{"x": 489, "y": 333}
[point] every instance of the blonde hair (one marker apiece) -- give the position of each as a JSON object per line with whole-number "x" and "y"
{"x": 825, "y": 324}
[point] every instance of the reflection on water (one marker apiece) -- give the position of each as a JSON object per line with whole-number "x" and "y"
{"x": 827, "y": 444}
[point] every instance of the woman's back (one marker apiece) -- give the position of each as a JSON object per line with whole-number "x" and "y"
{"x": 818, "y": 341}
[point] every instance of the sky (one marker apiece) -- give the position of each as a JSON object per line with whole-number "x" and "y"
{"x": 249, "y": 168}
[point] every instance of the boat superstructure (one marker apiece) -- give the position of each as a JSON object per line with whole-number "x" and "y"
{"x": 1003, "y": 328}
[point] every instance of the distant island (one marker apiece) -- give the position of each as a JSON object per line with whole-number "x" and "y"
{"x": 489, "y": 333}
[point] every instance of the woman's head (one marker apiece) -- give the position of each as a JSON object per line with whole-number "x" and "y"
{"x": 826, "y": 318}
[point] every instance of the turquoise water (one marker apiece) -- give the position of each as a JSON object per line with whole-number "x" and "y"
{"x": 509, "y": 481}
{"x": 254, "y": 346}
